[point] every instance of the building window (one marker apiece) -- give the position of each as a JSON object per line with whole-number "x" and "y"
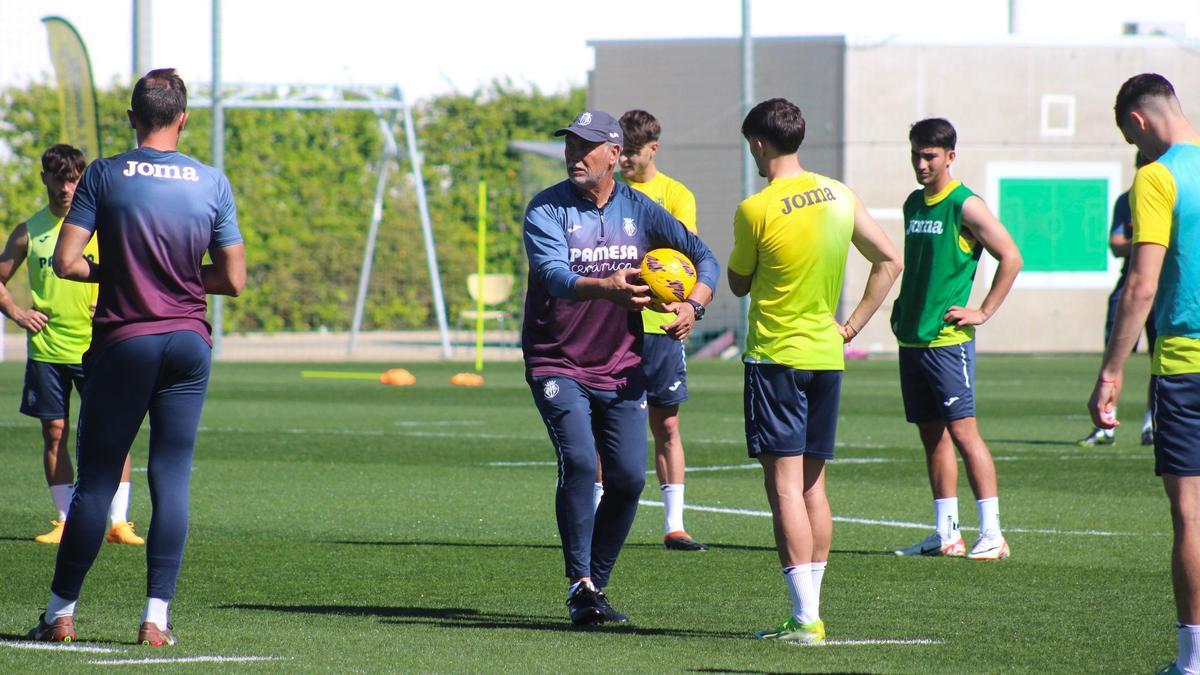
{"x": 1058, "y": 115}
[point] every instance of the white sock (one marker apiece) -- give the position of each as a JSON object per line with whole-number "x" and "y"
{"x": 989, "y": 517}
{"x": 156, "y": 612}
{"x": 597, "y": 493}
{"x": 799, "y": 581}
{"x": 118, "y": 510}
{"x": 62, "y": 499}
{"x": 945, "y": 513}
{"x": 673, "y": 501}
{"x": 818, "y": 574}
{"x": 1147, "y": 420}
{"x": 571, "y": 588}
{"x": 1187, "y": 656}
{"x": 59, "y": 607}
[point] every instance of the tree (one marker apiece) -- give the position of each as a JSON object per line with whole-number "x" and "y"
{"x": 303, "y": 181}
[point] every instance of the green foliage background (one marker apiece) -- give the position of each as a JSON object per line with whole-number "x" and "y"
{"x": 304, "y": 182}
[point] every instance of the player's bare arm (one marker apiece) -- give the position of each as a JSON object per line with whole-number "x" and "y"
{"x": 685, "y": 319}
{"x": 619, "y": 288}
{"x": 996, "y": 240}
{"x": 15, "y": 251}
{"x": 69, "y": 262}
{"x": 886, "y": 265}
{"x": 1137, "y": 298}
{"x": 227, "y": 273}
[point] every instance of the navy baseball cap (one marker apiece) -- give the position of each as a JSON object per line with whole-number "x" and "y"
{"x": 596, "y": 126}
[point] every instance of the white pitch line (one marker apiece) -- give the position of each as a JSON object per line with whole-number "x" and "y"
{"x": 440, "y": 423}
{"x": 752, "y": 465}
{"x": 717, "y": 467}
{"x": 56, "y": 647}
{"x": 689, "y": 470}
{"x": 375, "y": 433}
{"x": 1105, "y": 457}
{"x": 461, "y": 434}
{"x": 333, "y": 432}
{"x": 521, "y": 464}
{"x": 855, "y": 643}
{"x": 742, "y": 442}
{"x": 187, "y": 659}
{"x": 894, "y": 523}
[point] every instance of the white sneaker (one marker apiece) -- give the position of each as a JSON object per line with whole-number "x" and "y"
{"x": 989, "y": 547}
{"x": 934, "y": 545}
{"x": 1097, "y": 437}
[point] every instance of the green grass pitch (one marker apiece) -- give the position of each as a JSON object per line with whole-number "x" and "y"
{"x": 345, "y": 525}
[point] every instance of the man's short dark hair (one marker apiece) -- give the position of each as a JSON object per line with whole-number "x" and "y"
{"x": 158, "y": 98}
{"x": 777, "y": 121}
{"x": 934, "y": 132}
{"x": 1137, "y": 89}
{"x": 63, "y": 161}
{"x": 639, "y": 128}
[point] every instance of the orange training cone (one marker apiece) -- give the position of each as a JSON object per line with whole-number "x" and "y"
{"x": 467, "y": 380}
{"x": 398, "y": 377}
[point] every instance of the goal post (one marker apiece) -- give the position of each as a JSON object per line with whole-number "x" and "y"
{"x": 387, "y": 103}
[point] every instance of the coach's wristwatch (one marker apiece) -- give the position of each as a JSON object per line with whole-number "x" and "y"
{"x": 696, "y": 306}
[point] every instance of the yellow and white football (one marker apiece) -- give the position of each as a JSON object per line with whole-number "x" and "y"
{"x": 669, "y": 274}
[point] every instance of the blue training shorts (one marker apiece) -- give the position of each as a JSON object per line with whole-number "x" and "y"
{"x": 938, "y": 383}
{"x": 665, "y": 365}
{"x": 47, "y": 394}
{"x": 1175, "y": 404}
{"x": 790, "y": 411}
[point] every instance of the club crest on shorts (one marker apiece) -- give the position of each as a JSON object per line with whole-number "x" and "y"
{"x": 630, "y": 227}
{"x": 550, "y": 388}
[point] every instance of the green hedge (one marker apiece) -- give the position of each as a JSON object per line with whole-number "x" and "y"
{"x": 304, "y": 182}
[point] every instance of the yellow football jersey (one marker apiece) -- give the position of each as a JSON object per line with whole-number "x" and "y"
{"x": 793, "y": 239}
{"x": 681, "y": 203}
{"x": 68, "y": 304}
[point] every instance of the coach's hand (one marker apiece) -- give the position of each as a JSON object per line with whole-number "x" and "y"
{"x": 1104, "y": 401}
{"x": 964, "y": 316}
{"x": 626, "y": 290}
{"x": 685, "y": 320}
{"x": 31, "y": 320}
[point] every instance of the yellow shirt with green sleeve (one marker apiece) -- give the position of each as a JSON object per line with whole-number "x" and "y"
{"x": 792, "y": 239}
{"x": 1165, "y": 202}
{"x": 679, "y": 202}
{"x": 67, "y": 304}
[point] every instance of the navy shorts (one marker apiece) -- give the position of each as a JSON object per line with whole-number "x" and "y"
{"x": 47, "y": 394}
{"x": 938, "y": 383}
{"x": 1175, "y": 404}
{"x": 790, "y": 411}
{"x": 665, "y": 365}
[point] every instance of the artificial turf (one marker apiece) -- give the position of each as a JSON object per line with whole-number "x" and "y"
{"x": 346, "y": 525}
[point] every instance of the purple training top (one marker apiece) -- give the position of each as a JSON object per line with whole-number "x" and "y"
{"x": 595, "y": 342}
{"x": 155, "y": 214}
